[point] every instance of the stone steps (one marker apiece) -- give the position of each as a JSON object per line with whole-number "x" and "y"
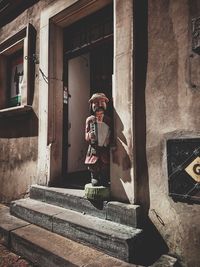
{"x": 8, "y": 223}
{"x": 74, "y": 199}
{"x": 120, "y": 241}
{"x": 47, "y": 249}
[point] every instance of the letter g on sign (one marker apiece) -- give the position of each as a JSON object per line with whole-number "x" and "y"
{"x": 193, "y": 169}
{"x": 196, "y": 169}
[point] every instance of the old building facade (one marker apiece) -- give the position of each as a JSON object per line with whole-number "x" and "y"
{"x": 144, "y": 56}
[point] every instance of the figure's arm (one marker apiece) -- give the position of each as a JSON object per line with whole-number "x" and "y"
{"x": 90, "y": 135}
{"x": 87, "y": 130}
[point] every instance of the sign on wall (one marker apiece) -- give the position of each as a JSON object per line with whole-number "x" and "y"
{"x": 16, "y": 79}
{"x": 193, "y": 169}
{"x": 183, "y": 159}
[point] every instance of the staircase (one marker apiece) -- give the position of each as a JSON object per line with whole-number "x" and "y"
{"x": 109, "y": 227}
{"x": 60, "y": 227}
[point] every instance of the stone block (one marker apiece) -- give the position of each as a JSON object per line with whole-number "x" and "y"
{"x": 127, "y": 214}
{"x": 166, "y": 261}
{"x": 37, "y": 192}
{"x": 74, "y": 199}
{"x": 70, "y": 199}
{"x": 4, "y": 236}
{"x": 35, "y": 212}
{"x": 7, "y": 224}
{"x": 47, "y": 249}
{"x": 113, "y": 238}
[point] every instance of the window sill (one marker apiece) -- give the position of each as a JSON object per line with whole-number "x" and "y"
{"x": 13, "y": 111}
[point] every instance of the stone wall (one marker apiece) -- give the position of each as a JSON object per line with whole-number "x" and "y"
{"x": 19, "y": 134}
{"x": 172, "y": 107}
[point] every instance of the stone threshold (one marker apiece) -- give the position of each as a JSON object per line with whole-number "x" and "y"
{"x": 75, "y": 199}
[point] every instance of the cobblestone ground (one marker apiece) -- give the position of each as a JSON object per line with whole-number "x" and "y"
{"x": 9, "y": 259}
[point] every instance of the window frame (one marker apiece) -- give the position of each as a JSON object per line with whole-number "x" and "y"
{"x": 24, "y": 39}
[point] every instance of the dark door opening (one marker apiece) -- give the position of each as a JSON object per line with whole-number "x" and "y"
{"x": 88, "y": 68}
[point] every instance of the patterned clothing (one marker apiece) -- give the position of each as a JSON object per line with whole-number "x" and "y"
{"x": 98, "y": 154}
{"x": 99, "y": 148}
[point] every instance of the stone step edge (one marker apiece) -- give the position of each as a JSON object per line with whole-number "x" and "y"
{"x": 53, "y": 212}
{"x": 126, "y": 214}
{"x": 164, "y": 260}
{"x": 45, "y": 250}
{"x": 8, "y": 223}
{"x": 121, "y": 241}
{"x": 14, "y": 235}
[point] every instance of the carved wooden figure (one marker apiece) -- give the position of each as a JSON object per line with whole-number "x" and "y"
{"x": 97, "y": 134}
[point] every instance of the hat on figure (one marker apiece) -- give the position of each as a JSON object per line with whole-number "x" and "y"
{"x": 98, "y": 96}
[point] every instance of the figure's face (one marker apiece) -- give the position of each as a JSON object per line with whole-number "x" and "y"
{"x": 99, "y": 104}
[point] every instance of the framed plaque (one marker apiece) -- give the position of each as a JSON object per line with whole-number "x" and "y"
{"x": 183, "y": 160}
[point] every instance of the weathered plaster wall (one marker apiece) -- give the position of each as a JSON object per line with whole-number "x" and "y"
{"x": 172, "y": 110}
{"x": 122, "y": 158}
{"x": 19, "y": 135}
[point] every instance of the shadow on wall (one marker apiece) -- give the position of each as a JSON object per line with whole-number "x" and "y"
{"x": 154, "y": 245}
{"x": 121, "y": 158}
{"x": 119, "y": 154}
{"x": 141, "y": 60}
{"x": 25, "y": 125}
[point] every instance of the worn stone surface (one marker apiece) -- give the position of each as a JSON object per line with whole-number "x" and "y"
{"x": 35, "y": 212}
{"x": 7, "y": 224}
{"x": 67, "y": 198}
{"x": 37, "y": 192}
{"x": 123, "y": 213}
{"x": 48, "y": 249}
{"x": 121, "y": 240}
{"x": 166, "y": 261}
{"x": 43, "y": 248}
{"x": 74, "y": 199}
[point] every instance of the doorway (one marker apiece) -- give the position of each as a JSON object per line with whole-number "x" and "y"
{"x": 88, "y": 68}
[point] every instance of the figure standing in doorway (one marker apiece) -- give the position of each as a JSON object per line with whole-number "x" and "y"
{"x": 97, "y": 133}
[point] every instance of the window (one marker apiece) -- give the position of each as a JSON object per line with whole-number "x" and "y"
{"x": 15, "y": 78}
{"x": 17, "y": 70}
